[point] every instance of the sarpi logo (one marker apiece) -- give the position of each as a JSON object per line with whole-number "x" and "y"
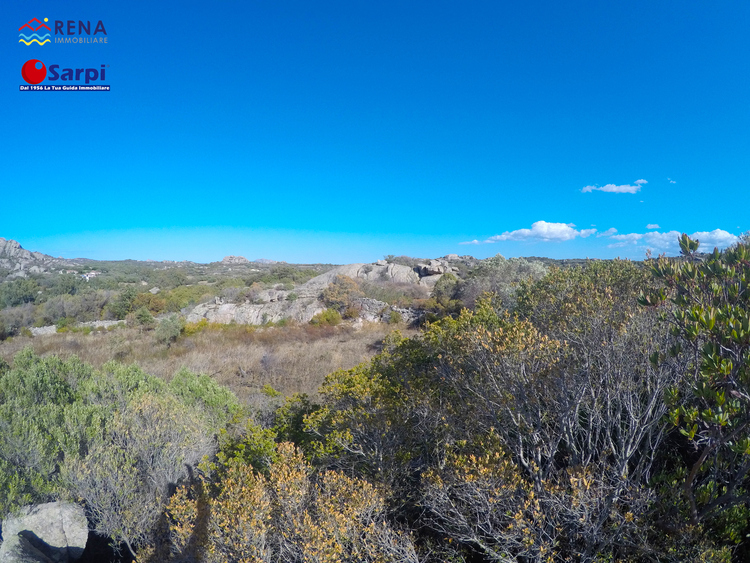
{"x": 28, "y": 33}
{"x": 34, "y": 72}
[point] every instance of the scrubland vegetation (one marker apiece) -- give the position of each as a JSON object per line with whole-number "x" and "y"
{"x": 122, "y": 289}
{"x": 291, "y": 359}
{"x": 595, "y": 413}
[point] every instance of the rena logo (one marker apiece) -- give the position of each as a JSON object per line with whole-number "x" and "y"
{"x": 34, "y": 72}
{"x": 33, "y": 26}
{"x": 68, "y": 31}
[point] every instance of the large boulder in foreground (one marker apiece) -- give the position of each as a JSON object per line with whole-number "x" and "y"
{"x": 54, "y": 532}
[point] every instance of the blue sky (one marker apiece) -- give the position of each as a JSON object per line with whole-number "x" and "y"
{"x": 340, "y": 131}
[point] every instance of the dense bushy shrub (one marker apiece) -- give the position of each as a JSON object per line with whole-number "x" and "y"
{"x": 18, "y": 292}
{"x": 530, "y": 439}
{"x": 143, "y": 317}
{"x": 15, "y": 318}
{"x": 707, "y": 305}
{"x": 340, "y": 292}
{"x": 187, "y": 296}
{"x": 285, "y": 516}
{"x": 118, "y": 439}
{"x": 121, "y": 305}
{"x": 329, "y": 317}
{"x": 499, "y": 276}
{"x": 169, "y": 329}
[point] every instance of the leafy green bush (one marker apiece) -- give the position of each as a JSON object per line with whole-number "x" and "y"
{"x": 118, "y": 439}
{"x": 18, "y": 292}
{"x": 185, "y": 296}
{"x": 706, "y": 305}
{"x": 123, "y": 303}
{"x": 143, "y": 317}
{"x": 169, "y": 329}
{"x": 329, "y": 317}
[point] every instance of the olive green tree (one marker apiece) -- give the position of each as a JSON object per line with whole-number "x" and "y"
{"x": 706, "y": 302}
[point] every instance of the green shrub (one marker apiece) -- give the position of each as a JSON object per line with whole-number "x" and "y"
{"x": 143, "y": 317}
{"x": 123, "y": 303}
{"x": 18, "y": 292}
{"x": 65, "y": 323}
{"x": 329, "y": 317}
{"x": 117, "y": 439}
{"x": 184, "y": 296}
{"x": 169, "y": 329}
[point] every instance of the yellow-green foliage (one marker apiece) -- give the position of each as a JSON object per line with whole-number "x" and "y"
{"x": 329, "y": 317}
{"x": 566, "y": 300}
{"x": 286, "y": 516}
{"x": 180, "y": 297}
{"x": 339, "y": 294}
{"x": 191, "y": 329}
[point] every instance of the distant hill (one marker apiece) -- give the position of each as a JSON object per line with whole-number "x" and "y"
{"x": 17, "y": 262}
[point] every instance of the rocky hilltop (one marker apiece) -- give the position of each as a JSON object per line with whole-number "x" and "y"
{"x": 235, "y": 260}
{"x": 281, "y": 292}
{"x": 303, "y": 302}
{"x": 17, "y": 262}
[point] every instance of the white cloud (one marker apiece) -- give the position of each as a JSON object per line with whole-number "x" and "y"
{"x": 667, "y": 241}
{"x": 717, "y": 237}
{"x": 608, "y": 233}
{"x": 671, "y": 181}
{"x": 652, "y": 226}
{"x": 614, "y": 189}
{"x": 541, "y": 231}
{"x": 475, "y": 241}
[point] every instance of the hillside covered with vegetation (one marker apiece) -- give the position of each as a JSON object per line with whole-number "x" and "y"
{"x": 588, "y": 413}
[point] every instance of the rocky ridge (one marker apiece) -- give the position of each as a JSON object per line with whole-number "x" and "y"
{"x": 303, "y": 303}
{"x": 19, "y": 262}
{"x": 235, "y": 260}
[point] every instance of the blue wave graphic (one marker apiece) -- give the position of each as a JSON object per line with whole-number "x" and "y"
{"x": 28, "y": 37}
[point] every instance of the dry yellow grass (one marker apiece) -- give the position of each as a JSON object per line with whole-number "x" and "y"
{"x": 289, "y": 359}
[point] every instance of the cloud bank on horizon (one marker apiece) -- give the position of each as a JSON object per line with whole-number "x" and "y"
{"x": 662, "y": 242}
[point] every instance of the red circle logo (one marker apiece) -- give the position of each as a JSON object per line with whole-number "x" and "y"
{"x": 33, "y": 74}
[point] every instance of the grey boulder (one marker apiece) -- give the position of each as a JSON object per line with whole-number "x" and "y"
{"x": 55, "y": 532}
